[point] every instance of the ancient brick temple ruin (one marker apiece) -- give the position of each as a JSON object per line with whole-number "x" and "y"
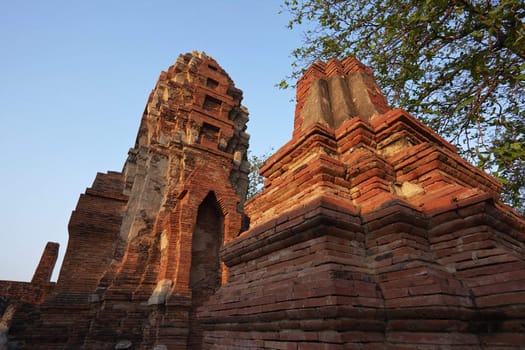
{"x": 371, "y": 233}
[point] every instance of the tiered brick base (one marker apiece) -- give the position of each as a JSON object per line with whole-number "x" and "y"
{"x": 372, "y": 233}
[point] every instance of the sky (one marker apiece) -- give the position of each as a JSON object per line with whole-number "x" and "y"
{"x": 75, "y": 77}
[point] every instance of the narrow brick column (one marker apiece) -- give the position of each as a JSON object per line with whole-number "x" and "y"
{"x": 45, "y": 267}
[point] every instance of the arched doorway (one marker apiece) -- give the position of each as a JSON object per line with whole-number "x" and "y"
{"x": 205, "y": 271}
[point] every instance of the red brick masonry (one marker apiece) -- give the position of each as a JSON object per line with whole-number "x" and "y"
{"x": 371, "y": 233}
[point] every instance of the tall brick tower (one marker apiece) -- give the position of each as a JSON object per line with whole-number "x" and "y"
{"x": 144, "y": 244}
{"x": 186, "y": 179}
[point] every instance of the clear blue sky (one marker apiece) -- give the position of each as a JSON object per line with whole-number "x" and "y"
{"x": 75, "y": 76}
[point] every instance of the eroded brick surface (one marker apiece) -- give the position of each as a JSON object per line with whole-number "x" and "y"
{"x": 371, "y": 233}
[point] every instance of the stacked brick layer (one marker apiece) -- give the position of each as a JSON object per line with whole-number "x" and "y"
{"x": 325, "y": 277}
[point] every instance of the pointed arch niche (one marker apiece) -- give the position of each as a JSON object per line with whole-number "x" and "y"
{"x": 205, "y": 271}
{"x": 207, "y": 238}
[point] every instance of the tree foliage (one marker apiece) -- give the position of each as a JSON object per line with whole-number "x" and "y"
{"x": 255, "y": 180}
{"x": 457, "y": 65}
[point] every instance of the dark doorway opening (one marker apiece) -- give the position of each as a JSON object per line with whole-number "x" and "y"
{"x": 205, "y": 272}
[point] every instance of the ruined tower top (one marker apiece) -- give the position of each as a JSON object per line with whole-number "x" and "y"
{"x": 195, "y": 103}
{"x": 192, "y": 132}
{"x": 350, "y": 146}
{"x": 330, "y": 93}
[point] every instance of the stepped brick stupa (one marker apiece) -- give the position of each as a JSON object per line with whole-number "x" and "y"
{"x": 370, "y": 233}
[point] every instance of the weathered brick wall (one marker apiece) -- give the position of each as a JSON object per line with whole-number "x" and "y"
{"x": 25, "y": 292}
{"x": 93, "y": 234}
{"x": 62, "y": 318}
{"x": 19, "y": 301}
{"x": 37, "y": 290}
{"x": 371, "y": 232}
